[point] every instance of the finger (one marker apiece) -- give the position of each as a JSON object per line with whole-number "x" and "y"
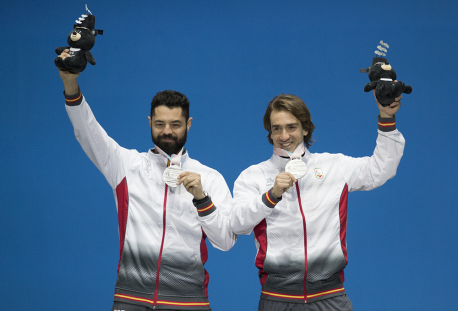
{"x": 183, "y": 174}
{"x": 65, "y": 52}
{"x": 287, "y": 178}
{"x": 183, "y": 178}
{"x": 398, "y": 99}
{"x": 191, "y": 186}
{"x": 291, "y": 176}
{"x": 180, "y": 181}
{"x": 190, "y": 180}
{"x": 285, "y": 186}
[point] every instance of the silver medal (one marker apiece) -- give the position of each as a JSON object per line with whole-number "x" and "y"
{"x": 296, "y": 167}
{"x": 170, "y": 175}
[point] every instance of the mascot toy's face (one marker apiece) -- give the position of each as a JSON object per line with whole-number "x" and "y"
{"x": 381, "y": 70}
{"x": 81, "y": 38}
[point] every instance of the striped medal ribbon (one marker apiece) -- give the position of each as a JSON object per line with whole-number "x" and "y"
{"x": 296, "y": 166}
{"x": 170, "y": 175}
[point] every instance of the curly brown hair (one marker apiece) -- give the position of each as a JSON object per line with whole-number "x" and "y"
{"x": 295, "y": 106}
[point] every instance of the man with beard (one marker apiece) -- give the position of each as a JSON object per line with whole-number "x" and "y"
{"x": 162, "y": 224}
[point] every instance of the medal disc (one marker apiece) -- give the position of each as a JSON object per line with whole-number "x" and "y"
{"x": 170, "y": 175}
{"x": 296, "y": 167}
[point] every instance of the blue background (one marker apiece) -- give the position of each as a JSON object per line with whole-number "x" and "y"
{"x": 59, "y": 244}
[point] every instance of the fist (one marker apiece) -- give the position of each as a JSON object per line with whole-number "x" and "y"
{"x": 191, "y": 181}
{"x": 283, "y": 182}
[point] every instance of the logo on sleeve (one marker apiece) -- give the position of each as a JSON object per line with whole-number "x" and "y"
{"x": 318, "y": 172}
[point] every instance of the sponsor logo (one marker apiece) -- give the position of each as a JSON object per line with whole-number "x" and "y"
{"x": 318, "y": 172}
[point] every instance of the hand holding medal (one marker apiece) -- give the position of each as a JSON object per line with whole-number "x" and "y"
{"x": 191, "y": 181}
{"x": 294, "y": 169}
{"x": 283, "y": 182}
{"x": 174, "y": 176}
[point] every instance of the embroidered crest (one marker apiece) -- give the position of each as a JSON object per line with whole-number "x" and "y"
{"x": 318, "y": 172}
{"x": 147, "y": 169}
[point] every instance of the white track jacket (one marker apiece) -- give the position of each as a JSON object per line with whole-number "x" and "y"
{"x": 162, "y": 234}
{"x": 301, "y": 238}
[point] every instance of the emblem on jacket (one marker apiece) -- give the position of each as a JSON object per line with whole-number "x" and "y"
{"x": 318, "y": 172}
{"x": 147, "y": 169}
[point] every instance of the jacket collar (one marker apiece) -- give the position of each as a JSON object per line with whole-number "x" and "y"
{"x": 282, "y": 161}
{"x": 163, "y": 159}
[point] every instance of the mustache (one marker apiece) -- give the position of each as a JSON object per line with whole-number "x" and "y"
{"x": 167, "y": 136}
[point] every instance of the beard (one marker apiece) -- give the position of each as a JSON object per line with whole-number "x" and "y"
{"x": 170, "y": 147}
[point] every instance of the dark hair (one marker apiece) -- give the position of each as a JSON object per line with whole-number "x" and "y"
{"x": 295, "y": 106}
{"x": 171, "y": 99}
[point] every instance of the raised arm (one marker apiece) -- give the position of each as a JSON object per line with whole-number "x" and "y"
{"x": 371, "y": 172}
{"x": 103, "y": 151}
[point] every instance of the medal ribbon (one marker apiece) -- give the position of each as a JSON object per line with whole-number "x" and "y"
{"x": 300, "y": 149}
{"x": 174, "y": 160}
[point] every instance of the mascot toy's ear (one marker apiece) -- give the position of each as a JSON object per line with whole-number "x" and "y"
{"x": 383, "y": 78}
{"x": 87, "y": 21}
{"x": 96, "y": 32}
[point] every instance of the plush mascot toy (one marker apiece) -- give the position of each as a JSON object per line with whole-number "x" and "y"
{"x": 383, "y": 77}
{"x": 81, "y": 40}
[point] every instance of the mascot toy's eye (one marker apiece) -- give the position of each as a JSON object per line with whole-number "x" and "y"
{"x": 383, "y": 78}
{"x": 80, "y": 40}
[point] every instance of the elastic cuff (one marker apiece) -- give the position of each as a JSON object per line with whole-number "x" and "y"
{"x": 73, "y": 100}
{"x": 386, "y": 124}
{"x": 269, "y": 200}
{"x": 205, "y": 208}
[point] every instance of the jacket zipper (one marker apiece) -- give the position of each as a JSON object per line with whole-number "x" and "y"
{"x": 305, "y": 240}
{"x": 156, "y": 290}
